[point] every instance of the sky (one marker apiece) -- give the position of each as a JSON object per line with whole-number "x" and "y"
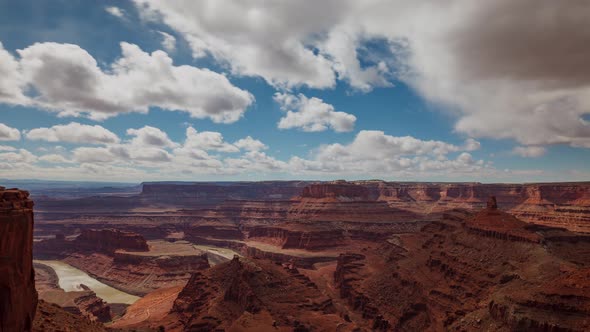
{"x": 149, "y": 90}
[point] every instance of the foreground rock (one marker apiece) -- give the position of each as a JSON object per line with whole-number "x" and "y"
{"x": 52, "y": 318}
{"x": 18, "y": 297}
{"x": 254, "y": 295}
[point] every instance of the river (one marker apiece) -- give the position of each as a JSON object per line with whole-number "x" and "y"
{"x": 70, "y": 279}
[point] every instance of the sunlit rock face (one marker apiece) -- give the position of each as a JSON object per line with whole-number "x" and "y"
{"x": 18, "y": 297}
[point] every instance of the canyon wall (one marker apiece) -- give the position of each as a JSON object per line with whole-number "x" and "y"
{"x": 481, "y": 272}
{"x": 564, "y": 205}
{"x": 105, "y": 241}
{"x": 109, "y": 240}
{"x": 18, "y": 297}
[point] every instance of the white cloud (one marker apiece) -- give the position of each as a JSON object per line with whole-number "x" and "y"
{"x": 168, "y": 41}
{"x": 7, "y": 148}
{"x": 74, "y": 133}
{"x": 207, "y": 140}
{"x": 471, "y": 145}
{"x": 115, "y": 11}
{"x": 93, "y": 155}
{"x": 266, "y": 40}
{"x": 312, "y": 114}
{"x": 8, "y": 134}
{"x": 250, "y": 144}
{"x": 502, "y": 79}
{"x": 150, "y": 155}
{"x": 150, "y": 136}
{"x": 55, "y": 159}
{"x": 11, "y": 80}
{"x": 69, "y": 81}
{"x": 22, "y": 156}
{"x": 529, "y": 151}
{"x": 374, "y": 152}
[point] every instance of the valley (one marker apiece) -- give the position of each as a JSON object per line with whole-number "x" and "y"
{"x": 298, "y": 256}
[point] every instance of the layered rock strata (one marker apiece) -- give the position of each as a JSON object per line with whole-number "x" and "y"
{"x": 18, "y": 297}
{"x": 449, "y": 277}
{"x": 256, "y": 295}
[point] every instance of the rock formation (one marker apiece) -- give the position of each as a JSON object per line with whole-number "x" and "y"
{"x": 254, "y": 294}
{"x": 450, "y": 277}
{"x": 105, "y": 241}
{"x": 564, "y": 205}
{"x": 110, "y": 240}
{"x": 52, "y": 318}
{"x": 18, "y": 297}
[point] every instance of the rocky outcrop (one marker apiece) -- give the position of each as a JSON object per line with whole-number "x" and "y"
{"x": 136, "y": 274}
{"x": 492, "y": 222}
{"x": 109, "y": 240}
{"x": 51, "y": 317}
{"x": 286, "y": 238}
{"x": 18, "y": 297}
{"x": 553, "y": 204}
{"x": 246, "y": 294}
{"x": 560, "y": 304}
{"x": 213, "y": 231}
{"x": 448, "y": 277}
{"x": 339, "y": 190}
{"x": 209, "y": 194}
{"x": 347, "y": 272}
{"x": 105, "y": 241}
{"x": 301, "y": 261}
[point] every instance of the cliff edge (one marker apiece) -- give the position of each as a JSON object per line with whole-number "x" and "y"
{"x": 18, "y": 297}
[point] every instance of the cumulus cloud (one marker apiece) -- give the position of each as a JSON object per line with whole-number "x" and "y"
{"x": 8, "y": 134}
{"x": 67, "y": 79}
{"x": 150, "y": 136}
{"x": 312, "y": 114}
{"x": 21, "y": 156}
{"x": 370, "y": 153}
{"x": 269, "y": 40}
{"x": 11, "y": 80}
{"x": 7, "y": 148}
{"x": 529, "y": 151}
{"x": 250, "y": 144}
{"x": 374, "y": 152}
{"x": 74, "y": 132}
{"x": 207, "y": 140}
{"x": 55, "y": 159}
{"x": 115, "y": 11}
{"x": 168, "y": 41}
{"x": 502, "y": 79}
{"x": 93, "y": 155}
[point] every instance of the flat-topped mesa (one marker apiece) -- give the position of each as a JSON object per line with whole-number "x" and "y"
{"x": 110, "y": 240}
{"x": 18, "y": 297}
{"x": 336, "y": 190}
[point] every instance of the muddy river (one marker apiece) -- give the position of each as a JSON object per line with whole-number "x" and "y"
{"x": 70, "y": 279}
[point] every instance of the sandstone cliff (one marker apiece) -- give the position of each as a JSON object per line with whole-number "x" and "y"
{"x": 105, "y": 241}
{"x": 18, "y": 297}
{"x": 553, "y": 204}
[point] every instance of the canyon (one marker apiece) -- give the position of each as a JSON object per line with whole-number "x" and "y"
{"x": 310, "y": 256}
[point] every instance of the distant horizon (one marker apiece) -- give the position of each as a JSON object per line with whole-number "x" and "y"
{"x": 259, "y": 181}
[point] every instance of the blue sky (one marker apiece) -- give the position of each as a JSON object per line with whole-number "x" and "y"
{"x": 213, "y": 90}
